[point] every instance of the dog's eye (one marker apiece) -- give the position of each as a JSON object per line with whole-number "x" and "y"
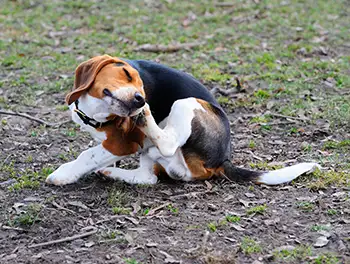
{"x": 107, "y": 92}
{"x": 127, "y": 75}
{"x": 119, "y": 64}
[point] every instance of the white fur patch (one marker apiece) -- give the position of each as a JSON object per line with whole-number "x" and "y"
{"x": 178, "y": 128}
{"x": 88, "y": 161}
{"x": 142, "y": 175}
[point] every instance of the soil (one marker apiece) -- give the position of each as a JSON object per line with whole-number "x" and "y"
{"x": 177, "y": 233}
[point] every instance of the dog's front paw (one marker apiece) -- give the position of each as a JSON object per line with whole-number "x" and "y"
{"x": 62, "y": 176}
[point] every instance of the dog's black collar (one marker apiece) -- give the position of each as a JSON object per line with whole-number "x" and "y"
{"x": 88, "y": 120}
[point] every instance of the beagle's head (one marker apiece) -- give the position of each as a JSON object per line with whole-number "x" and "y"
{"x": 112, "y": 80}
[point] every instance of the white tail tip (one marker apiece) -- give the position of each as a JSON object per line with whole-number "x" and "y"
{"x": 287, "y": 174}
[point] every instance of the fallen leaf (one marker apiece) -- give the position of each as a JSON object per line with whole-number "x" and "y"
{"x": 237, "y": 227}
{"x": 78, "y": 204}
{"x": 89, "y": 244}
{"x": 244, "y": 202}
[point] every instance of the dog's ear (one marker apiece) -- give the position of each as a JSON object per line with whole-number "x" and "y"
{"x": 85, "y": 75}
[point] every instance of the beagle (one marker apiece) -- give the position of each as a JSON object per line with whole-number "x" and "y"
{"x": 166, "y": 115}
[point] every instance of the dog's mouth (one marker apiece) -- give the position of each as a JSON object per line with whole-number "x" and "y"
{"x": 128, "y": 106}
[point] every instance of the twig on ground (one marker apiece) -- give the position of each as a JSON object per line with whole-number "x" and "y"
{"x": 224, "y": 175}
{"x": 288, "y": 117}
{"x": 40, "y": 121}
{"x": 152, "y": 211}
{"x": 186, "y": 195}
{"x": 223, "y": 91}
{"x": 65, "y": 239}
{"x": 13, "y": 228}
{"x": 62, "y": 208}
{"x": 5, "y": 160}
{"x": 224, "y": 4}
{"x": 168, "y": 48}
{"x": 109, "y": 219}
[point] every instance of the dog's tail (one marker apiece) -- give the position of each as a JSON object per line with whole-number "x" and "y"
{"x": 280, "y": 176}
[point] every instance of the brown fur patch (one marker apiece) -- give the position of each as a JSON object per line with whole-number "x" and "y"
{"x": 196, "y": 165}
{"x": 120, "y": 142}
{"x": 158, "y": 170}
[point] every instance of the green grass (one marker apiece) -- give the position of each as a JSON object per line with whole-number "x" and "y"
{"x": 212, "y": 226}
{"x": 233, "y": 218}
{"x": 316, "y": 228}
{"x": 24, "y": 179}
{"x": 305, "y": 206}
{"x": 250, "y": 246}
{"x": 260, "y": 209}
{"x": 323, "y": 179}
{"x": 121, "y": 210}
{"x": 118, "y": 198}
{"x": 298, "y": 253}
{"x": 28, "y": 217}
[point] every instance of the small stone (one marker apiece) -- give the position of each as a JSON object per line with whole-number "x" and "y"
{"x": 250, "y": 195}
{"x": 151, "y": 245}
{"x": 89, "y": 244}
{"x": 321, "y": 241}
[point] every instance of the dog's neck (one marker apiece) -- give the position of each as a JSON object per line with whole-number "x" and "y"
{"x": 92, "y": 106}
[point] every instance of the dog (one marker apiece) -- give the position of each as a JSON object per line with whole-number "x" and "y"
{"x": 166, "y": 115}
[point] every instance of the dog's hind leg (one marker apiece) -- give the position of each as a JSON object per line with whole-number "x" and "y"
{"x": 142, "y": 175}
{"x": 178, "y": 128}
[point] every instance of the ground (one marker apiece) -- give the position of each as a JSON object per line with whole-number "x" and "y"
{"x": 292, "y": 59}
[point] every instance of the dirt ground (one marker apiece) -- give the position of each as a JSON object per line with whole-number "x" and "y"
{"x": 217, "y": 221}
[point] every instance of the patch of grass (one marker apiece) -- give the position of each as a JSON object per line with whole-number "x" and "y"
{"x": 327, "y": 258}
{"x": 121, "y": 210}
{"x": 28, "y": 217}
{"x": 260, "y": 119}
{"x": 146, "y": 211}
{"x": 9, "y": 171}
{"x": 62, "y": 108}
{"x": 131, "y": 261}
{"x": 316, "y": 228}
{"x": 306, "y": 206}
{"x": 251, "y": 144}
{"x": 300, "y": 252}
{"x": 332, "y": 212}
{"x": 260, "y": 209}
{"x": 336, "y": 145}
{"x": 323, "y": 179}
{"x": 212, "y": 226}
{"x": 172, "y": 209}
{"x": 232, "y": 218}
{"x": 71, "y": 132}
{"x": 250, "y": 246}
{"x": 30, "y": 179}
{"x": 223, "y": 100}
{"x": 118, "y": 198}
{"x": 262, "y": 94}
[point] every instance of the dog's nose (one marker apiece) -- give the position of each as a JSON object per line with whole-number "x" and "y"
{"x": 139, "y": 100}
